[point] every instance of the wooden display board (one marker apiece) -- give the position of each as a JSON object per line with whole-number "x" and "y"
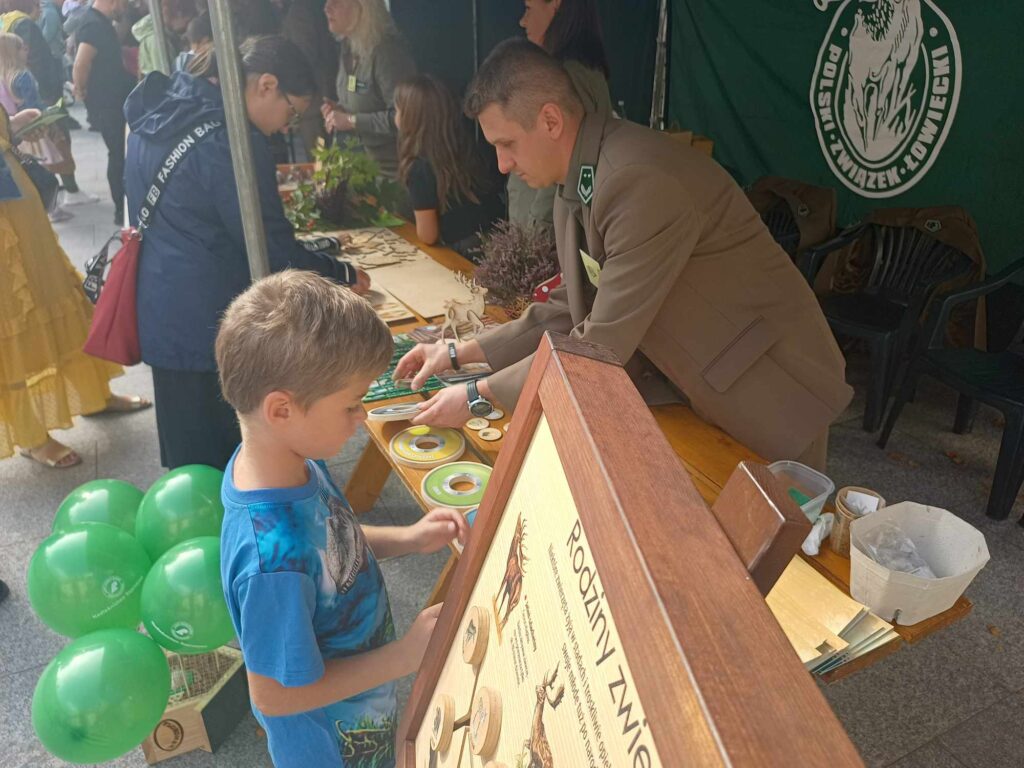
{"x": 600, "y": 615}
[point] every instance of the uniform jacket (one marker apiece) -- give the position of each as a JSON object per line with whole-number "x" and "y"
{"x": 366, "y": 89}
{"x": 193, "y": 260}
{"x": 688, "y": 275}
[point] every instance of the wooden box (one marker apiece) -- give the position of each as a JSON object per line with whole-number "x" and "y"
{"x": 600, "y": 614}
{"x": 210, "y": 696}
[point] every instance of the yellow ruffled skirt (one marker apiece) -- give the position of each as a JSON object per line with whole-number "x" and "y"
{"x": 45, "y": 378}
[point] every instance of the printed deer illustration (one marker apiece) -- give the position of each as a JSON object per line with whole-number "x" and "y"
{"x": 537, "y": 744}
{"x": 512, "y": 585}
{"x": 465, "y": 318}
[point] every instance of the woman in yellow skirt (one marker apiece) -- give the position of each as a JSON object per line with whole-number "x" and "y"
{"x": 45, "y": 378}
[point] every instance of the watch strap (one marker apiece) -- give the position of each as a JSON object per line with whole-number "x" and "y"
{"x": 452, "y": 356}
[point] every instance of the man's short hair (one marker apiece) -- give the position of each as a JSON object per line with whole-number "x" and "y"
{"x": 297, "y": 332}
{"x": 521, "y": 77}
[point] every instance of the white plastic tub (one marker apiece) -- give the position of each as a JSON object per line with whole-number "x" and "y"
{"x": 955, "y": 551}
{"x": 806, "y": 482}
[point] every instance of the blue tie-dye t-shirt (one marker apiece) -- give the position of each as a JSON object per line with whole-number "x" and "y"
{"x": 303, "y": 587}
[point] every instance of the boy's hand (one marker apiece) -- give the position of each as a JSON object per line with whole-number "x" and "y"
{"x": 415, "y": 641}
{"x": 437, "y": 528}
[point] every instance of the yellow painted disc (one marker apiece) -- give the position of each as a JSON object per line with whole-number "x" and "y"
{"x": 427, "y": 447}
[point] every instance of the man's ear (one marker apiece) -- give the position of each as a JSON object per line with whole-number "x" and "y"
{"x": 278, "y": 407}
{"x": 551, "y": 120}
{"x": 266, "y": 84}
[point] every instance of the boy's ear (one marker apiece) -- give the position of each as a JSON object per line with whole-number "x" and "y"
{"x": 278, "y": 407}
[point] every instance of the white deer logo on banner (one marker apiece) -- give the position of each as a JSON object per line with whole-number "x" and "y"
{"x": 885, "y": 92}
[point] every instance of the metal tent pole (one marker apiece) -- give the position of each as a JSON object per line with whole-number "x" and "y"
{"x": 232, "y": 87}
{"x": 163, "y": 53}
{"x": 660, "y": 71}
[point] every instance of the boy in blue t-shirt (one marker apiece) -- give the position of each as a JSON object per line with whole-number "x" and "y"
{"x": 296, "y": 353}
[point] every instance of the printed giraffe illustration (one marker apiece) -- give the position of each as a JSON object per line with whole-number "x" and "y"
{"x": 512, "y": 585}
{"x": 537, "y": 744}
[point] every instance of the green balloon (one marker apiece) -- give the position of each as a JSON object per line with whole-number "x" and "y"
{"x": 183, "y": 604}
{"x": 88, "y": 578}
{"x": 181, "y": 505}
{"x": 114, "y": 502}
{"x": 101, "y": 696}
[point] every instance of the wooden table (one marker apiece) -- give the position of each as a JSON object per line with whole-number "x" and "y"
{"x": 707, "y": 453}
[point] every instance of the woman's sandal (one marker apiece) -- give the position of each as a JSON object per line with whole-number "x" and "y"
{"x": 126, "y": 404}
{"x": 65, "y": 459}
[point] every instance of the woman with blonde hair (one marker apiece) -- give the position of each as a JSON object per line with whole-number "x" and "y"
{"x": 374, "y": 59}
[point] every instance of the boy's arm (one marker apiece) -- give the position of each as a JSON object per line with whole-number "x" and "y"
{"x": 433, "y": 531}
{"x": 388, "y": 540}
{"x": 344, "y": 678}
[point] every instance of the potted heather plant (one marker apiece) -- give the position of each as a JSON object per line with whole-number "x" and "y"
{"x": 516, "y": 259}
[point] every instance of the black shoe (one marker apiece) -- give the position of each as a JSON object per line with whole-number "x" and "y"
{"x": 4, "y": 591}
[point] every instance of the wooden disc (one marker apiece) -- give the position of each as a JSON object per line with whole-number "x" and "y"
{"x": 474, "y": 639}
{"x": 485, "y": 721}
{"x": 490, "y": 434}
{"x": 443, "y": 723}
{"x": 478, "y": 424}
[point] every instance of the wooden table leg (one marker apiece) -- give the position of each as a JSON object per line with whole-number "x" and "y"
{"x": 443, "y": 581}
{"x": 367, "y": 481}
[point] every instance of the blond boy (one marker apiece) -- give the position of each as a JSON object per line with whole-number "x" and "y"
{"x": 296, "y": 354}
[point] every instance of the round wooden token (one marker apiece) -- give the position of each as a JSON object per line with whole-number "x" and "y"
{"x": 474, "y": 639}
{"x": 490, "y": 434}
{"x": 495, "y": 415}
{"x": 478, "y": 424}
{"x": 485, "y": 721}
{"x": 443, "y": 723}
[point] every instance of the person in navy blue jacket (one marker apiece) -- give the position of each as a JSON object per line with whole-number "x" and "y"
{"x": 193, "y": 260}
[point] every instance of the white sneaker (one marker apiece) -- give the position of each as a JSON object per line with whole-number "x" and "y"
{"x": 81, "y": 197}
{"x": 58, "y": 215}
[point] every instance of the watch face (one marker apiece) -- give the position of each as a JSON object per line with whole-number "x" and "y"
{"x": 480, "y": 407}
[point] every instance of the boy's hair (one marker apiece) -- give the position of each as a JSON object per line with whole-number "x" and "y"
{"x": 264, "y": 55}
{"x": 298, "y": 332}
{"x": 521, "y": 77}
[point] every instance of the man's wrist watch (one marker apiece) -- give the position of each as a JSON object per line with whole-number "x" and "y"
{"x": 452, "y": 356}
{"x": 478, "y": 404}
{"x": 352, "y": 121}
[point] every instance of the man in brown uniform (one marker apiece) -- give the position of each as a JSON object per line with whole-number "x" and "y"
{"x": 663, "y": 259}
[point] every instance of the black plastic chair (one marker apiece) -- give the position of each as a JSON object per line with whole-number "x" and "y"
{"x": 905, "y": 266}
{"x": 993, "y": 378}
{"x": 783, "y": 227}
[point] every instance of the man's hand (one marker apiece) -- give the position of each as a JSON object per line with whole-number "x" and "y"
{"x": 437, "y": 529}
{"x": 447, "y": 408}
{"x": 335, "y": 118}
{"x": 361, "y": 286}
{"x": 423, "y": 361}
{"x": 414, "y": 643}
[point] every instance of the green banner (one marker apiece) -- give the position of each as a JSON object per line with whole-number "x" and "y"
{"x": 891, "y": 102}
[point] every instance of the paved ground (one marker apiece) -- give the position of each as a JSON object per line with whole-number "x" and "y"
{"x": 953, "y": 701}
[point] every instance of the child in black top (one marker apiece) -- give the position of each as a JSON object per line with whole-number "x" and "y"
{"x": 452, "y": 196}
